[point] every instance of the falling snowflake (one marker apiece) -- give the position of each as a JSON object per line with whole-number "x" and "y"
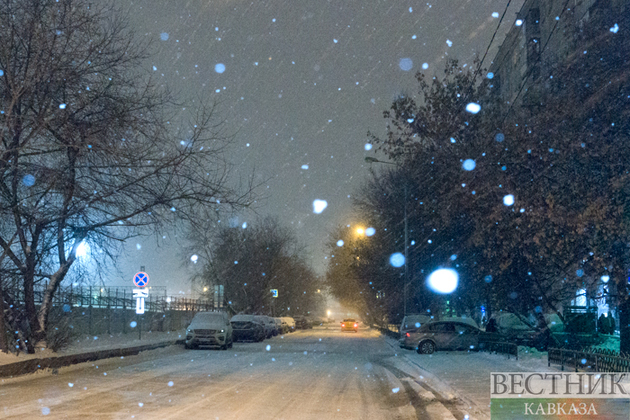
{"x": 319, "y": 206}
{"x": 469, "y": 165}
{"x": 405, "y": 64}
{"x": 397, "y": 259}
{"x": 473, "y": 108}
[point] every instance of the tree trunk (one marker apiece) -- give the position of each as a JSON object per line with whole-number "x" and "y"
{"x": 30, "y": 311}
{"x": 4, "y": 347}
{"x": 624, "y": 324}
{"x": 47, "y": 300}
{"x": 621, "y": 281}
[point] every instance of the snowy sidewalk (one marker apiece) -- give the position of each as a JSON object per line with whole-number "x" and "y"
{"x": 467, "y": 375}
{"x": 86, "y": 348}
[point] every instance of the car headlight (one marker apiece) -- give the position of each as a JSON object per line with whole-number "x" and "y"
{"x": 222, "y": 331}
{"x": 189, "y": 331}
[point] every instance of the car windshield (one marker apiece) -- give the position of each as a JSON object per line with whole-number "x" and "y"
{"x": 209, "y": 318}
{"x": 314, "y": 209}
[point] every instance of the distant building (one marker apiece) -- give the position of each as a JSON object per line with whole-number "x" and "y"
{"x": 542, "y": 36}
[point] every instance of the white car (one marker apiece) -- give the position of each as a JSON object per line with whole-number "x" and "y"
{"x": 210, "y": 329}
{"x": 290, "y": 322}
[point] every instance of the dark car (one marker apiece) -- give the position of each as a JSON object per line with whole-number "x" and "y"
{"x": 514, "y": 329}
{"x": 350, "y": 324}
{"x": 445, "y": 335}
{"x": 245, "y": 328}
{"x": 268, "y": 323}
{"x": 302, "y": 323}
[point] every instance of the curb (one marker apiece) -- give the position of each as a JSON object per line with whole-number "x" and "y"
{"x": 33, "y": 365}
{"x": 442, "y": 387}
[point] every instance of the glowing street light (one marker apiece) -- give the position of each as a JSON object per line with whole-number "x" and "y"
{"x": 82, "y": 250}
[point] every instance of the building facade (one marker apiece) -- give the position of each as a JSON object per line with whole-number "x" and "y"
{"x": 545, "y": 33}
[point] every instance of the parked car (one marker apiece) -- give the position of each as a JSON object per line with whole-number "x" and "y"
{"x": 350, "y": 324}
{"x": 210, "y": 329}
{"x": 274, "y": 325}
{"x": 445, "y": 335}
{"x": 290, "y": 323}
{"x": 513, "y": 328}
{"x": 282, "y": 327}
{"x": 267, "y": 323}
{"x": 412, "y": 322}
{"x": 302, "y": 323}
{"x": 246, "y": 328}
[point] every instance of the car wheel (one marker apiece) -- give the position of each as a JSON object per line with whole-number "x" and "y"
{"x": 231, "y": 344}
{"x": 187, "y": 346}
{"x": 224, "y": 347}
{"x": 426, "y": 347}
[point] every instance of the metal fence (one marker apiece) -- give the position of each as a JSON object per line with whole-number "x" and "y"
{"x": 595, "y": 360}
{"x": 118, "y": 298}
{"x": 509, "y": 349}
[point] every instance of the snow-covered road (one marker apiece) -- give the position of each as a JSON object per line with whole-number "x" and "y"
{"x": 313, "y": 374}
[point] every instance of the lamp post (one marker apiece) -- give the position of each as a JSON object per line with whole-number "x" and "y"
{"x": 369, "y": 159}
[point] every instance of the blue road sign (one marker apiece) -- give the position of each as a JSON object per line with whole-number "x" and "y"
{"x": 141, "y": 279}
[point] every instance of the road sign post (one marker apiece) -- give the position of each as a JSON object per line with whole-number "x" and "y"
{"x": 141, "y": 279}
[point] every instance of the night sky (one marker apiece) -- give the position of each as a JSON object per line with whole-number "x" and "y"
{"x": 300, "y": 83}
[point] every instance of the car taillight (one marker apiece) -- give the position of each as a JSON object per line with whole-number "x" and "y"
{"x": 343, "y": 325}
{"x": 355, "y": 325}
{"x": 408, "y": 335}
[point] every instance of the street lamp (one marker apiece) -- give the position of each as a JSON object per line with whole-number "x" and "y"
{"x": 370, "y": 159}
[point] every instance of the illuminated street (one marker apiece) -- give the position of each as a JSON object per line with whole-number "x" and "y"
{"x": 312, "y": 374}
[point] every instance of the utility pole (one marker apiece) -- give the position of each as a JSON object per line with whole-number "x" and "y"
{"x": 406, "y": 252}
{"x": 369, "y": 159}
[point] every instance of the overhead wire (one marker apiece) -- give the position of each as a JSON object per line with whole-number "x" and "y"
{"x": 531, "y": 69}
{"x": 491, "y": 41}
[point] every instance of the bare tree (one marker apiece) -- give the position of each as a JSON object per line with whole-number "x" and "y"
{"x": 92, "y": 148}
{"x": 251, "y": 261}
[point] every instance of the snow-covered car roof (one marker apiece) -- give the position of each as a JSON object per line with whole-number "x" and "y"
{"x": 264, "y": 318}
{"x": 410, "y": 321}
{"x": 243, "y": 317}
{"x": 510, "y": 321}
{"x": 463, "y": 320}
